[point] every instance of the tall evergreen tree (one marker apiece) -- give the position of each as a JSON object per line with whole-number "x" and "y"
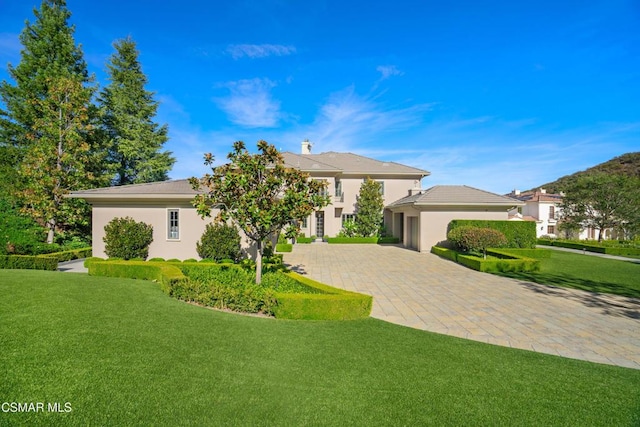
{"x": 135, "y": 140}
{"x": 49, "y": 52}
{"x": 369, "y": 208}
{"x": 47, "y": 143}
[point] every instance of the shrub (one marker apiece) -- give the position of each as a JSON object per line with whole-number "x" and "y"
{"x": 519, "y": 234}
{"x": 284, "y": 247}
{"x": 28, "y": 262}
{"x": 125, "y": 238}
{"x": 349, "y": 229}
{"x": 474, "y": 239}
{"x": 219, "y": 241}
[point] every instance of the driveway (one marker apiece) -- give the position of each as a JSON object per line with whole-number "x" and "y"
{"x": 426, "y": 292}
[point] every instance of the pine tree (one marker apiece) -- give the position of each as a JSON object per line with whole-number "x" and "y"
{"x": 49, "y": 52}
{"x": 135, "y": 140}
{"x": 47, "y": 143}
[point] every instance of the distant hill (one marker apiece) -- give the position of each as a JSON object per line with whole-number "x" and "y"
{"x": 627, "y": 164}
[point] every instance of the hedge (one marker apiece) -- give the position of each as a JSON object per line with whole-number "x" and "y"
{"x": 332, "y": 304}
{"x": 69, "y": 255}
{"x": 609, "y": 250}
{"x": 521, "y": 253}
{"x": 284, "y": 247}
{"x": 519, "y": 234}
{"x": 508, "y": 262}
{"x": 305, "y": 240}
{"x": 373, "y": 240}
{"x": 28, "y": 262}
{"x": 163, "y": 273}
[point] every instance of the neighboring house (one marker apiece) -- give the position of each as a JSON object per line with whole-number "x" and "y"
{"x": 421, "y": 219}
{"x": 541, "y": 207}
{"x": 546, "y": 210}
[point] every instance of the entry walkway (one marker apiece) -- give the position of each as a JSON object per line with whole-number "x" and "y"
{"x": 426, "y": 292}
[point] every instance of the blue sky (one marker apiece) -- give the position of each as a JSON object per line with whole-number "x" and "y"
{"x": 497, "y": 94}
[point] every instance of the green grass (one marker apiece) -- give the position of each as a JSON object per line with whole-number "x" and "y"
{"x": 585, "y": 272}
{"x": 123, "y": 353}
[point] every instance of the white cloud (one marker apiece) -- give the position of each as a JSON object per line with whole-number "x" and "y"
{"x": 388, "y": 71}
{"x": 250, "y": 103}
{"x": 238, "y": 51}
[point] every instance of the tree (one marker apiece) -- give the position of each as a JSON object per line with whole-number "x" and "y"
{"x": 49, "y": 52}
{"x": 258, "y": 193}
{"x": 55, "y": 162}
{"x": 602, "y": 201}
{"x": 135, "y": 140}
{"x": 369, "y": 208}
{"x": 476, "y": 239}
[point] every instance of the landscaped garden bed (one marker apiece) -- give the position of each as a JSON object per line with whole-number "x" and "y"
{"x": 230, "y": 286}
{"x": 496, "y": 260}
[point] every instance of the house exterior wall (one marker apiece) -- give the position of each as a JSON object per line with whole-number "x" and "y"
{"x": 191, "y": 227}
{"x": 345, "y": 201}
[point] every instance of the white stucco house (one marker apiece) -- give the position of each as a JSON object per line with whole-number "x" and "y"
{"x": 418, "y": 217}
{"x": 546, "y": 210}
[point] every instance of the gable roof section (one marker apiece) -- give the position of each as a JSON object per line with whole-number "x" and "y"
{"x": 456, "y": 195}
{"x": 175, "y": 189}
{"x": 348, "y": 163}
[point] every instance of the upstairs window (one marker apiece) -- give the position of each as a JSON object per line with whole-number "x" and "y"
{"x": 173, "y": 224}
{"x": 552, "y": 212}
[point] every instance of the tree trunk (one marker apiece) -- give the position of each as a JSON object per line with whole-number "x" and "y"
{"x": 600, "y": 235}
{"x": 259, "y": 263}
{"x": 51, "y": 224}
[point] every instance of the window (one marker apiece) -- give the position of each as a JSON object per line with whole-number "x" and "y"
{"x": 552, "y": 212}
{"x": 338, "y": 188}
{"x": 348, "y": 217}
{"x": 381, "y": 187}
{"x": 304, "y": 223}
{"x": 174, "y": 224}
{"x": 551, "y": 229}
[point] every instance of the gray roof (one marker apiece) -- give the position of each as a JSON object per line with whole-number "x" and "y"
{"x": 175, "y": 189}
{"x": 456, "y": 195}
{"x": 348, "y": 163}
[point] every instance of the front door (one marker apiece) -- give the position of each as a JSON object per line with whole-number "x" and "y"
{"x": 320, "y": 224}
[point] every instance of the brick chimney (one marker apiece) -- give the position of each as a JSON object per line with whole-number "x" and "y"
{"x": 306, "y": 147}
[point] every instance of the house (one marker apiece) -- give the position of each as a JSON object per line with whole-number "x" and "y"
{"x": 546, "y": 210}
{"x": 541, "y": 207}
{"x": 344, "y": 174}
{"x": 419, "y": 218}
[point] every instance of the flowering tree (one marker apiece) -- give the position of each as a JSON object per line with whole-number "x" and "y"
{"x": 258, "y": 193}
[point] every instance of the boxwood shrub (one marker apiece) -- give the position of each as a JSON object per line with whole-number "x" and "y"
{"x": 519, "y": 234}
{"x": 618, "y": 249}
{"x": 28, "y": 262}
{"x": 506, "y": 261}
{"x": 284, "y": 247}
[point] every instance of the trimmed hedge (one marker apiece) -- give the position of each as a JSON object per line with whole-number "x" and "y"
{"x": 521, "y": 253}
{"x": 69, "y": 255}
{"x": 332, "y": 304}
{"x": 28, "y": 262}
{"x": 305, "y": 240}
{"x": 284, "y": 247}
{"x": 506, "y": 263}
{"x": 165, "y": 274}
{"x": 370, "y": 240}
{"x": 609, "y": 250}
{"x": 326, "y": 303}
{"x": 519, "y": 234}
{"x": 42, "y": 262}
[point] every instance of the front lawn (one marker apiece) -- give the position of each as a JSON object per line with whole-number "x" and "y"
{"x": 586, "y": 272}
{"x": 121, "y": 352}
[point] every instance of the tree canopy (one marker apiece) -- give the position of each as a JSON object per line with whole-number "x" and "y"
{"x": 135, "y": 141}
{"x": 602, "y": 201}
{"x": 369, "y": 212}
{"x": 258, "y": 193}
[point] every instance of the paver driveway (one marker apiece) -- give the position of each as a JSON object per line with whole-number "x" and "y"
{"x": 426, "y": 292}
